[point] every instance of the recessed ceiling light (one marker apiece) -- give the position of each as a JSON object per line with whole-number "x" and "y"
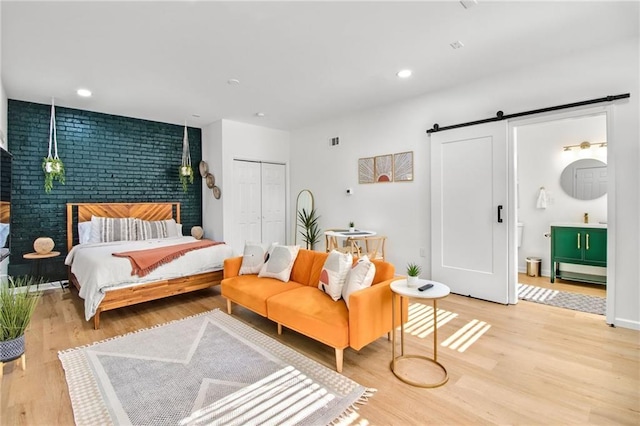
{"x": 85, "y": 93}
{"x": 195, "y": 115}
{"x": 260, "y": 114}
{"x": 456, "y": 44}
{"x": 233, "y": 81}
{"x": 404, "y": 73}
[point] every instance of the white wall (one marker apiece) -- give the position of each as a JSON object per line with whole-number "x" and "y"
{"x": 401, "y": 210}
{"x": 223, "y": 142}
{"x": 541, "y": 160}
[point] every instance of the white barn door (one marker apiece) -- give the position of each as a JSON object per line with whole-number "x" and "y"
{"x": 469, "y": 221}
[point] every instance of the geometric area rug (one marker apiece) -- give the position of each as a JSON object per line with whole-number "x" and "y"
{"x": 205, "y": 369}
{"x": 563, "y": 299}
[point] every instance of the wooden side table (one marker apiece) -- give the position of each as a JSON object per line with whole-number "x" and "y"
{"x": 438, "y": 291}
{"x": 37, "y": 258}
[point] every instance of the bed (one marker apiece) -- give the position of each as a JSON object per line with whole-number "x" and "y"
{"x": 105, "y": 282}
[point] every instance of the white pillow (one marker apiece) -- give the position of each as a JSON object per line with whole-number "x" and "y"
{"x": 84, "y": 232}
{"x": 334, "y": 272}
{"x": 4, "y": 233}
{"x": 280, "y": 262}
{"x": 360, "y": 277}
{"x": 172, "y": 228}
{"x": 153, "y": 229}
{"x": 253, "y": 257}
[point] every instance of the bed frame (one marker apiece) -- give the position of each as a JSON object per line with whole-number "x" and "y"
{"x": 144, "y": 292}
{"x": 5, "y": 211}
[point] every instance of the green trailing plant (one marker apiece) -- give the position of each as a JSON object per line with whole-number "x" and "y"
{"x": 17, "y": 306}
{"x": 309, "y": 223}
{"x": 186, "y": 176}
{"x": 53, "y": 169}
{"x": 413, "y": 269}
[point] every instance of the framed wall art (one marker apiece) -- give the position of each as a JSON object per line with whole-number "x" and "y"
{"x": 383, "y": 168}
{"x": 403, "y": 166}
{"x": 365, "y": 170}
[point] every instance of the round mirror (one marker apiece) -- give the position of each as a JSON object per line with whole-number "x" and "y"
{"x": 303, "y": 202}
{"x": 585, "y": 179}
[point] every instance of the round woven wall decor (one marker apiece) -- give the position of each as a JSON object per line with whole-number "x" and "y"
{"x": 43, "y": 245}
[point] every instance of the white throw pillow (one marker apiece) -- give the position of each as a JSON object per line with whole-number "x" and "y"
{"x": 84, "y": 232}
{"x": 172, "y": 228}
{"x": 334, "y": 272}
{"x": 360, "y": 277}
{"x": 279, "y": 262}
{"x": 152, "y": 229}
{"x": 253, "y": 258}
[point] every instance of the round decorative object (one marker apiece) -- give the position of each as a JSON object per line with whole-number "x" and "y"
{"x": 11, "y": 349}
{"x": 211, "y": 180}
{"x": 43, "y": 245}
{"x": 197, "y": 232}
{"x": 204, "y": 168}
{"x": 216, "y": 192}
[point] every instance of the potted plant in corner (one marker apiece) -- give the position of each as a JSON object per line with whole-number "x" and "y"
{"x": 309, "y": 222}
{"x": 17, "y": 305}
{"x": 413, "y": 272}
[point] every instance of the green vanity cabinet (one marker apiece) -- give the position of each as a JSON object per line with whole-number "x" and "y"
{"x": 579, "y": 246}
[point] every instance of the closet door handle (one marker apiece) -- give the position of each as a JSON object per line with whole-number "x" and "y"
{"x": 587, "y": 241}
{"x": 499, "y": 214}
{"x": 578, "y": 240}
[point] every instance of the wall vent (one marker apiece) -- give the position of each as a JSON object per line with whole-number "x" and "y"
{"x": 334, "y": 141}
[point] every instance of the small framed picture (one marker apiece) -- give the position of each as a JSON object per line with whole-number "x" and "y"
{"x": 403, "y": 166}
{"x": 365, "y": 170}
{"x": 383, "y": 168}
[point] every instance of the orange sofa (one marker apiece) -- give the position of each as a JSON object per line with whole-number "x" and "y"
{"x": 299, "y": 305}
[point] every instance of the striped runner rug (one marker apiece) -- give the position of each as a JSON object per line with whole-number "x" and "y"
{"x": 562, "y": 299}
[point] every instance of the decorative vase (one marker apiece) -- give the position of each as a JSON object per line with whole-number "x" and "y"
{"x": 43, "y": 245}
{"x": 197, "y": 232}
{"x": 11, "y": 349}
{"x": 412, "y": 282}
{"x": 352, "y": 229}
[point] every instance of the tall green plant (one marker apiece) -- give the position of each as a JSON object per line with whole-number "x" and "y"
{"x": 309, "y": 223}
{"x": 17, "y": 306}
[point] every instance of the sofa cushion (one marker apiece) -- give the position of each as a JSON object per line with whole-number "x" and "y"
{"x": 252, "y": 292}
{"x": 253, "y": 258}
{"x": 279, "y": 262}
{"x": 334, "y": 272}
{"x": 311, "y": 312}
{"x": 307, "y": 267}
{"x": 359, "y": 277}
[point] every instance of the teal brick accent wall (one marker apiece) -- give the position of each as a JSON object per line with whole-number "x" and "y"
{"x": 107, "y": 158}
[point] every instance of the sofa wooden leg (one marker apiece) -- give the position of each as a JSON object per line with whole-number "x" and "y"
{"x": 279, "y": 328}
{"x": 96, "y": 320}
{"x": 339, "y": 355}
{"x": 389, "y": 336}
{"x": 229, "y": 306}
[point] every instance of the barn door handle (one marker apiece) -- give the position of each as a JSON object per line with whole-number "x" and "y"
{"x": 499, "y": 214}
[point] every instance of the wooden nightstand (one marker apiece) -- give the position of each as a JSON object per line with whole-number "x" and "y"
{"x": 38, "y": 258}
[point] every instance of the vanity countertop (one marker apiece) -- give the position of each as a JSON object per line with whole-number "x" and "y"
{"x": 580, "y": 225}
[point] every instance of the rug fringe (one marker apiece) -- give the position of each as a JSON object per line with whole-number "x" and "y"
{"x": 88, "y": 345}
{"x": 353, "y": 408}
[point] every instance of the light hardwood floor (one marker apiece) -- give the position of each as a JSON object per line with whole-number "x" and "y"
{"x": 536, "y": 364}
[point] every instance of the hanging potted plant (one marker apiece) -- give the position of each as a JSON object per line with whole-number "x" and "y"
{"x": 185, "y": 171}
{"x": 309, "y": 223}
{"x": 52, "y": 166}
{"x": 17, "y": 305}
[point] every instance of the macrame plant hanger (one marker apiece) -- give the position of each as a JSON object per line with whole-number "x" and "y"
{"x": 52, "y": 166}
{"x": 186, "y": 171}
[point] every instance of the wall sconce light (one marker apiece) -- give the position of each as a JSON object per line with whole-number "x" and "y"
{"x": 585, "y": 145}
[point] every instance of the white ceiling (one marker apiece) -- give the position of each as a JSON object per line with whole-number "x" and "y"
{"x": 297, "y": 62}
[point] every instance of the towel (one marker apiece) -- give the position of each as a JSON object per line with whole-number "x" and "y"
{"x": 542, "y": 199}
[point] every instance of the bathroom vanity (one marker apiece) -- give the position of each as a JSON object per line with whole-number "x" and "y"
{"x": 579, "y": 244}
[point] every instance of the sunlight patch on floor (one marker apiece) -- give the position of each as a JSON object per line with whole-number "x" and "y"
{"x": 466, "y": 336}
{"x": 420, "y": 322}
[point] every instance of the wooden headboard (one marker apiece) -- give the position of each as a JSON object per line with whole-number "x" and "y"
{"x": 145, "y": 211}
{"x": 5, "y": 211}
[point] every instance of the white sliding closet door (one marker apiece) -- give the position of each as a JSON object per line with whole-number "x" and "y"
{"x": 259, "y": 195}
{"x": 469, "y": 220}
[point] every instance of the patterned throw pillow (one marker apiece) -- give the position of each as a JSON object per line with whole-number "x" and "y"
{"x": 253, "y": 258}
{"x": 360, "y": 277}
{"x": 107, "y": 229}
{"x": 334, "y": 272}
{"x": 280, "y": 262}
{"x": 152, "y": 229}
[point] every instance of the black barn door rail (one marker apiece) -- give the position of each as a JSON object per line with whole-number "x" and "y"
{"x": 501, "y": 116}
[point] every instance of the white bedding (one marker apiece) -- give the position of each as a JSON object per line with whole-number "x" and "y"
{"x": 98, "y": 271}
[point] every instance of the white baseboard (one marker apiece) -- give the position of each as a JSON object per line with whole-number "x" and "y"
{"x": 633, "y": 325}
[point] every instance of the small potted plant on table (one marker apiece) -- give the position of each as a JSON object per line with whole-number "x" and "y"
{"x": 352, "y": 227}
{"x": 413, "y": 272}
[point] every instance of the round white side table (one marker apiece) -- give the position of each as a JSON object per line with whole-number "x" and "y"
{"x": 399, "y": 289}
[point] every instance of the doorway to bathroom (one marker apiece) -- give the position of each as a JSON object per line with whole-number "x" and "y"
{"x": 560, "y": 179}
